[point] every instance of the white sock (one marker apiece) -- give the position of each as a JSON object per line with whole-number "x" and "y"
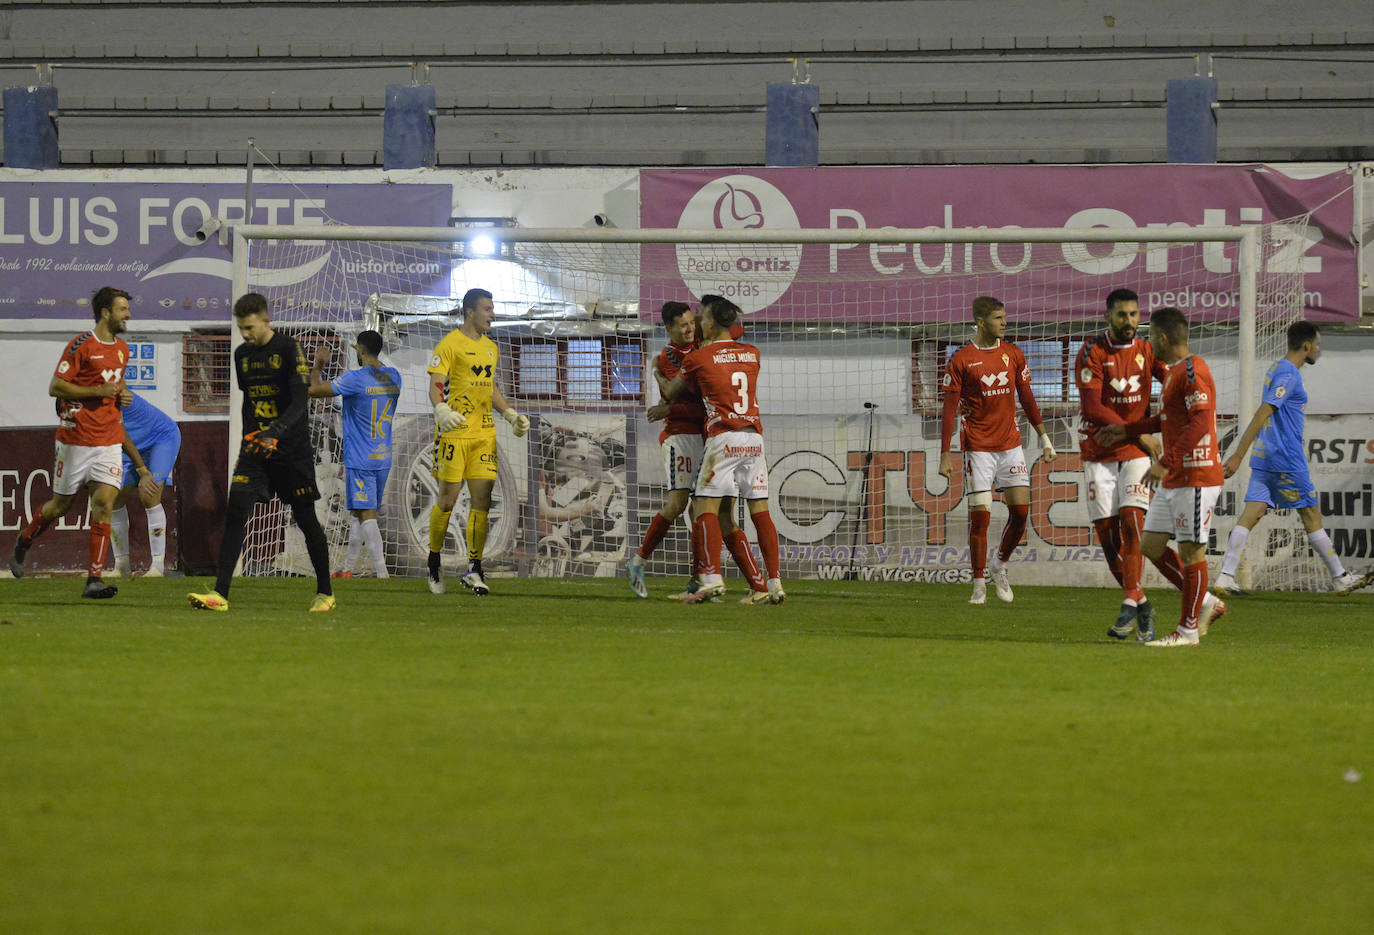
{"x": 373, "y": 534}
{"x": 1235, "y": 548}
{"x": 1321, "y": 544}
{"x": 119, "y": 537}
{"x": 355, "y": 544}
{"x": 157, "y": 534}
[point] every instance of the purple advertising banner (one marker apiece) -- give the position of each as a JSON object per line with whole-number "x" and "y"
{"x": 898, "y": 281}
{"x": 61, "y": 241}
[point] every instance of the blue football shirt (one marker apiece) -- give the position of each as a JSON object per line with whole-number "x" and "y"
{"x": 369, "y": 403}
{"x": 147, "y": 425}
{"x": 1279, "y": 446}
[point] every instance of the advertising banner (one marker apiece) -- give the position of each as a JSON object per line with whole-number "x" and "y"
{"x": 790, "y": 282}
{"x": 61, "y": 241}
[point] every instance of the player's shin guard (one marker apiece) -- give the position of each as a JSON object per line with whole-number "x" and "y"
{"x": 1170, "y": 567}
{"x": 707, "y": 543}
{"x": 767, "y": 535}
{"x": 1321, "y": 544}
{"x": 231, "y": 544}
{"x": 303, "y": 511}
{"x": 476, "y": 534}
{"x": 1235, "y": 548}
{"x": 119, "y": 536}
{"x": 157, "y": 535}
{"x": 978, "y": 522}
{"x": 1017, "y": 515}
{"x": 36, "y": 527}
{"x": 738, "y": 544}
{"x": 355, "y": 544}
{"x": 1131, "y": 529}
{"x": 658, "y": 528}
{"x": 438, "y": 527}
{"x": 372, "y": 535}
{"x": 99, "y": 545}
{"x": 1194, "y": 590}
{"x": 1110, "y": 536}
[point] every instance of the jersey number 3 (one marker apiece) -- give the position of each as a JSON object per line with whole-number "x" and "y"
{"x": 740, "y": 381}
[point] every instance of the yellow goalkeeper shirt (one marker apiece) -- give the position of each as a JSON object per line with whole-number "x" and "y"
{"x": 468, "y": 368}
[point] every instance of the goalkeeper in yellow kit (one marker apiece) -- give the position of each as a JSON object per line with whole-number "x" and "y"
{"x": 462, "y": 387}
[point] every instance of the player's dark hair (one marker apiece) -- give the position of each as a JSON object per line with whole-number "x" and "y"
{"x": 104, "y": 299}
{"x": 708, "y": 299}
{"x": 672, "y": 310}
{"x": 985, "y": 305}
{"x": 722, "y": 311}
{"x": 251, "y": 303}
{"x": 1170, "y": 322}
{"x": 1300, "y": 332}
{"x": 1118, "y": 296}
{"x": 370, "y": 341}
{"x": 472, "y": 297}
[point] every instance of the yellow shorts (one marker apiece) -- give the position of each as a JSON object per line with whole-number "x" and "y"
{"x": 460, "y": 459}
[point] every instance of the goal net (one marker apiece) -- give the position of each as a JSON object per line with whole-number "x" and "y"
{"x": 854, "y": 330}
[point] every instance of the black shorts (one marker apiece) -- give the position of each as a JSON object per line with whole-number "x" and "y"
{"x": 288, "y": 478}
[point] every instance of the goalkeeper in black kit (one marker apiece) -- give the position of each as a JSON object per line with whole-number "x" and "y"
{"x": 275, "y": 456}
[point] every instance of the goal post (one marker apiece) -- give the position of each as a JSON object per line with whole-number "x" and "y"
{"x": 843, "y": 318}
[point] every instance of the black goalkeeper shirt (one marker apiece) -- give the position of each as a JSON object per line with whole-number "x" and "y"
{"x": 276, "y": 394}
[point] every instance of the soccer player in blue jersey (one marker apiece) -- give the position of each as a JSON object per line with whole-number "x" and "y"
{"x": 1279, "y": 478}
{"x": 158, "y": 440}
{"x": 369, "y": 402}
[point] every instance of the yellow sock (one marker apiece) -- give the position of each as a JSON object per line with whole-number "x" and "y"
{"x": 477, "y": 534}
{"x": 438, "y": 526}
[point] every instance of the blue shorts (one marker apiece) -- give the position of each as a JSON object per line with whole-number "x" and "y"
{"x": 1281, "y": 490}
{"x": 160, "y": 456}
{"x": 365, "y": 487}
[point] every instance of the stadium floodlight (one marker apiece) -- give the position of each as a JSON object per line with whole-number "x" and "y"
{"x": 841, "y": 317}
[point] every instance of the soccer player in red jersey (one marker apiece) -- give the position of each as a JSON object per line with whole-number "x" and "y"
{"x": 724, "y": 372}
{"x": 89, "y": 387}
{"x": 982, "y": 382}
{"x": 1114, "y": 372}
{"x": 1190, "y": 469}
{"x": 683, "y": 441}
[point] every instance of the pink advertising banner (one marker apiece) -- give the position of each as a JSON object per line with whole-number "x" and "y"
{"x": 900, "y": 282}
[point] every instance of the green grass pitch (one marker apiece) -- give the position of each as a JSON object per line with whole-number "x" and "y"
{"x": 563, "y": 758}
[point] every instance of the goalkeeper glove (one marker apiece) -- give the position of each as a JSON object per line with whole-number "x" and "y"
{"x": 260, "y": 444}
{"x": 1047, "y": 446}
{"x": 519, "y": 424}
{"x": 446, "y": 419}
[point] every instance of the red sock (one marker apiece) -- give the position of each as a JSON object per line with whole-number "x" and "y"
{"x": 768, "y": 541}
{"x": 35, "y": 528}
{"x": 658, "y": 528}
{"x": 706, "y": 532}
{"x": 978, "y": 521}
{"x": 738, "y": 544}
{"x": 1194, "y": 590}
{"x": 1017, "y": 514}
{"x": 1109, "y": 537}
{"x": 1131, "y": 528}
{"x": 99, "y": 545}
{"x": 1170, "y": 567}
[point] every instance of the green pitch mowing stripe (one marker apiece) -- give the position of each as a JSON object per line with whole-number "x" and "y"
{"x": 562, "y": 757}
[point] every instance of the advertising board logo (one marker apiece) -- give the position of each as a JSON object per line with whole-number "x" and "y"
{"x": 753, "y": 276}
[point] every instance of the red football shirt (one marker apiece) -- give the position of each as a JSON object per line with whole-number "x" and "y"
{"x": 1114, "y": 388}
{"x": 983, "y": 384}
{"x": 1188, "y": 421}
{"x": 88, "y": 361}
{"x": 726, "y": 374}
{"x": 686, "y": 414}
